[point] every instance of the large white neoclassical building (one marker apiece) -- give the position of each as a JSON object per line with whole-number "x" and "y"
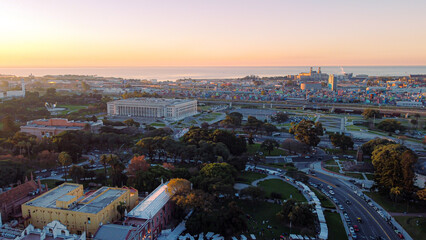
{"x": 154, "y": 108}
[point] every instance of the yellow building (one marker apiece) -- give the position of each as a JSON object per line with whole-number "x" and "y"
{"x": 80, "y": 213}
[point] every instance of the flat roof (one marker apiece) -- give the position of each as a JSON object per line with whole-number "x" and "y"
{"x": 48, "y": 200}
{"x": 93, "y": 203}
{"x": 152, "y": 203}
{"x": 66, "y": 198}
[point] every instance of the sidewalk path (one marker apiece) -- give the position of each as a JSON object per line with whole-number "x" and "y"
{"x": 397, "y": 214}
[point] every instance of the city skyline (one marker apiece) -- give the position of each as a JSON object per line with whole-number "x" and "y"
{"x": 211, "y": 33}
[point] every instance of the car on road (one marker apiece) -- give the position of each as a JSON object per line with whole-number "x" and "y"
{"x": 359, "y": 220}
{"x": 341, "y": 207}
{"x": 356, "y": 228}
{"x": 348, "y": 202}
{"x": 329, "y": 187}
{"x": 351, "y": 229}
{"x": 401, "y": 236}
{"x": 331, "y": 192}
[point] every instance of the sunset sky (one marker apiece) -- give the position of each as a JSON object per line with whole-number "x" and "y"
{"x": 82, "y": 33}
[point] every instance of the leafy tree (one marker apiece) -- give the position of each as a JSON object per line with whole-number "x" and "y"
{"x": 51, "y": 92}
{"x": 214, "y": 176}
{"x": 390, "y": 125}
{"x": 295, "y": 146}
{"x": 178, "y": 186}
{"x": 269, "y": 128}
{"x": 371, "y": 113}
{"x": 298, "y": 214}
{"x": 307, "y": 131}
{"x": 65, "y": 160}
{"x": 121, "y": 208}
{"x": 236, "y": 145}
{"x": 76, "y": 173}
{"x": 421, "y": 194}
{"x": 254, "y": 193}
{"x": 85, "y": 86}
{"x": 147, "y": 181}
{"x": 9, "y": 126}
{"x": 253, "y": 124}
{"x": 368, "y": 147}
{"x": 117, "y": 168}
{"x": 233, "y": 119}
{"x": 280, "y": 117}
{"x": 195, "y": 199}
{"x": 269, "y": 145}
{"x": 131, "y": 122}
{"x": 341, "y": 141}
{"x": 393, "y": 166}
{"x": 137, "y": 163}
{"x": 148, "y": 144}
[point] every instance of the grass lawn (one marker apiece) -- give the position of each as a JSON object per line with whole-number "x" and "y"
{"x": 355, "y": 175}
{"x": 210, "y": 117}
{"x": 283, "y": 188}
{"x": 156, "y": 124}
{"x": 1, "y": 126}
{"x": 325, "y": 202}
{"x": 333, "y": 169}
{"x": 391, "y": 206}
{"x": 415, "y": 226}
{"x": 249, "y": 177}
{"x": 51, "y": 183}
{"x": 264, "y": 211}
{"x": 331, "y": 162}
{"x": 71, "y": 108}
{"x": 253, "y": 148}
{"x": 355, "y": 128}
{"x": 336, "y": 230}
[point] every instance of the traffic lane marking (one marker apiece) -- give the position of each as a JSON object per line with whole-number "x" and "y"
{"x": 371, "y": 216}
{"x": 357, "y": 202}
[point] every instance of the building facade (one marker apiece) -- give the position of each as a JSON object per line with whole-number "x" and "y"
{"x": 312, "y": 75}
{"x": 153, "y": 108}
{"x": 332, "y": 83}
{"x": 80, "y": 213}
{"x": 145, "y": 221}
{"x": 11, "y": 200}
{"x": 54, "y": 126}
{"x": 311, "y": 86}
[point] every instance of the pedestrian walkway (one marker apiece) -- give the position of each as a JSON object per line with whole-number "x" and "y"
{"x": 398, "y": 214}
{"x": 254, "y": 183}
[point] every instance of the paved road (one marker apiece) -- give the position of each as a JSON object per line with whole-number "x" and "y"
{"x": 373, "y": 224}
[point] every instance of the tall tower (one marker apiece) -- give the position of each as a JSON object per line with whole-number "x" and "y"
{"x": 319, "y": 70}
{"x": 310, "y": 71}
{"x": 332, "y": 82}
{"x": 23, "y": 87}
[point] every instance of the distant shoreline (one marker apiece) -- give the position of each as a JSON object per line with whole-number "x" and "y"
{"x": 209, "y": 73}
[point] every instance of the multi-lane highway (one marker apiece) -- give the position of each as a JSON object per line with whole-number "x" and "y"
{"x": 373, "y": 225}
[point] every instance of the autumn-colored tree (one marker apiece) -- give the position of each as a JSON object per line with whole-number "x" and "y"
{"x": 47, "y": 159}
{"x": 421, "y": 194}
{"x": 178, "y": 186}
{"x": 168, "y": 166}
{"x": 137, "y": 163}
{"x": 65, "y": 160}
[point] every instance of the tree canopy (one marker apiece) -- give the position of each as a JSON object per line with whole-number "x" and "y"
{"x": 393, "y": 164}
{"x": 341, "y": 141}
{"x": 307, "y": 131}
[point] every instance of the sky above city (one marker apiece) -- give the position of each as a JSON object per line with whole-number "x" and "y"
{"x": 94, "y": 33}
